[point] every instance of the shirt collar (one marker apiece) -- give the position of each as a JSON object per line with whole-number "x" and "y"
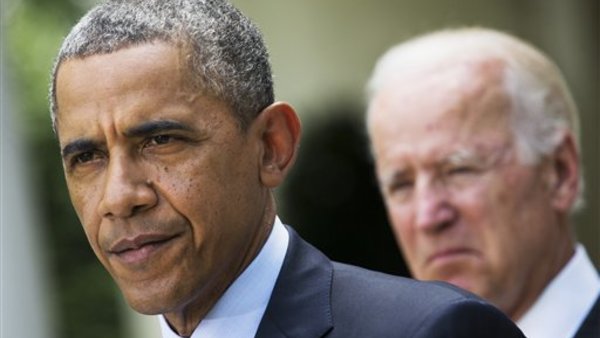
{"x": 240, "y": 309}
{"x": 565, "y": 302}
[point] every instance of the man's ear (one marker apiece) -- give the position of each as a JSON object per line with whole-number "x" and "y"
{"x": 565, "y": 174}
{"x": 279, "y": 131}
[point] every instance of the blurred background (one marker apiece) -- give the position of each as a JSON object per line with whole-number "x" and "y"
{"x": 322, "y": 53}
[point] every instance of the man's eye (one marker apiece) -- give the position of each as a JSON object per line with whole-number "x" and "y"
{"x": 460, "y": 170}
{"x": 84, "y": 157}
{"x": 399, "y": 186}
{"x": 159, "y": 140}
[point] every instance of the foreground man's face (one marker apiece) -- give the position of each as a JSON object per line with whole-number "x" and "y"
{"x": 163, "y": 180}
{"x": 463, "y": 207}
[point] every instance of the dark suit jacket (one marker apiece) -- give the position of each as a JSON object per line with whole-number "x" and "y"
{"x": 591, "y": 325}
{"x": 315, "y": 297}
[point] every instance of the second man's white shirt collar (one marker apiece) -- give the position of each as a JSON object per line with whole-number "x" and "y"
{"x": 566, "y": 301}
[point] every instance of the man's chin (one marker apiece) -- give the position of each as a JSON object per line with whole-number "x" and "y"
{"x": 147, "y": 307}
{"x": 148, "y": 302}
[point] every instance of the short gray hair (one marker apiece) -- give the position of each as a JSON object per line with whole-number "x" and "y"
{"x": 227, "y": 56}
{"x": 543, "y": 109}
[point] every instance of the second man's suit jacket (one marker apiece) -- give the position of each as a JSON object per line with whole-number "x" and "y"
{"x": 315, "y": 297}
{"x": 590, "y": 328}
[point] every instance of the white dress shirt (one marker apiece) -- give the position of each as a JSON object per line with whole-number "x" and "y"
{"x": 566, "y": 301}
{"x": 239, "y": 311}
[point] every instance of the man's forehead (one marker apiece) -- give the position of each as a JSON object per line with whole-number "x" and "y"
{"x": 142, "y": 59}
{"x": 443, "y": 153}
{"x": 452, "y": 104}
{"x": 99, "y": 82}
{"x": 483, "y": 63}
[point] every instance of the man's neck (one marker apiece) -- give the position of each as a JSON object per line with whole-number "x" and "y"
{"x": 185, "y": 320}
{"x": 542, "y": 278}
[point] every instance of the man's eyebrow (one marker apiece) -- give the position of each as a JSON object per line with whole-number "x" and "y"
{"x": 141, "y": 130}
{"x": 79, "y": 146}
{"x": 155, "y": 127}
{"x": 461, "y": 156}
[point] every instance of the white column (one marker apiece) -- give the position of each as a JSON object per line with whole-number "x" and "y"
{"x": 24, "y": 284}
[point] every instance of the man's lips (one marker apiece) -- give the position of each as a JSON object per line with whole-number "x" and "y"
{"x": 137, "y": 249}
{"x": 447, "y": 255}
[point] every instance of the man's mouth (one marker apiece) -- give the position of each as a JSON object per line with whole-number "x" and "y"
{"x": 450, "y": 255}
{"x": 137, "y": 250}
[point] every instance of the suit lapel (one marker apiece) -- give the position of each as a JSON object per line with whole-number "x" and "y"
{"x": 591, "y": 326}
{"x": 300, "y": 303}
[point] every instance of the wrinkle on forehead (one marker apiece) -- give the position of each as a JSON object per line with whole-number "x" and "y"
{"x": 466, "y": 96}
{"x": 141, "y": 61}
{"x": 158, "y": 69}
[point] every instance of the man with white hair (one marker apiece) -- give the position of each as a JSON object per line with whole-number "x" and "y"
{"x": 476, "y": 142}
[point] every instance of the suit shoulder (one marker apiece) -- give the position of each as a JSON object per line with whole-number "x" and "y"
{"x": 348, "y": 279}
{"x": 388, "y": 303}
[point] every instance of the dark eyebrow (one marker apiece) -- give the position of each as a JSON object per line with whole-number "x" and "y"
{"x": 79, "y": 146}
{"x": 155, "y": 127}
{"x": 141, "y": 130}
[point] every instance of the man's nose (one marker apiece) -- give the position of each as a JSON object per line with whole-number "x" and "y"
{"x": 434, "y": 209}
{"x": 126, "y": 189}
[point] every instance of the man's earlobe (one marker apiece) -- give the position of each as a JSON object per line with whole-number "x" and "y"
{"x": 565, "y": 166}
{"x": 280, "y": 135}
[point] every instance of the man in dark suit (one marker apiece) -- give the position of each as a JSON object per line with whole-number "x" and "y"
{"x": 476, "y": 142}
{"x": 171, "y": 144}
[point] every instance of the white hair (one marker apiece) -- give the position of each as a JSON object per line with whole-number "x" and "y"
{"x": 542, "y": 108}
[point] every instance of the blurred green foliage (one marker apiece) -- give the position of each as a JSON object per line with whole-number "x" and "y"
{"x": 35, "y": 30}
{"x": 86, "y": 298}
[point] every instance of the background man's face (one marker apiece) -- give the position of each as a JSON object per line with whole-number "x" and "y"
{"x": 164, "y": 182}
{"x": 463, "y": 207}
